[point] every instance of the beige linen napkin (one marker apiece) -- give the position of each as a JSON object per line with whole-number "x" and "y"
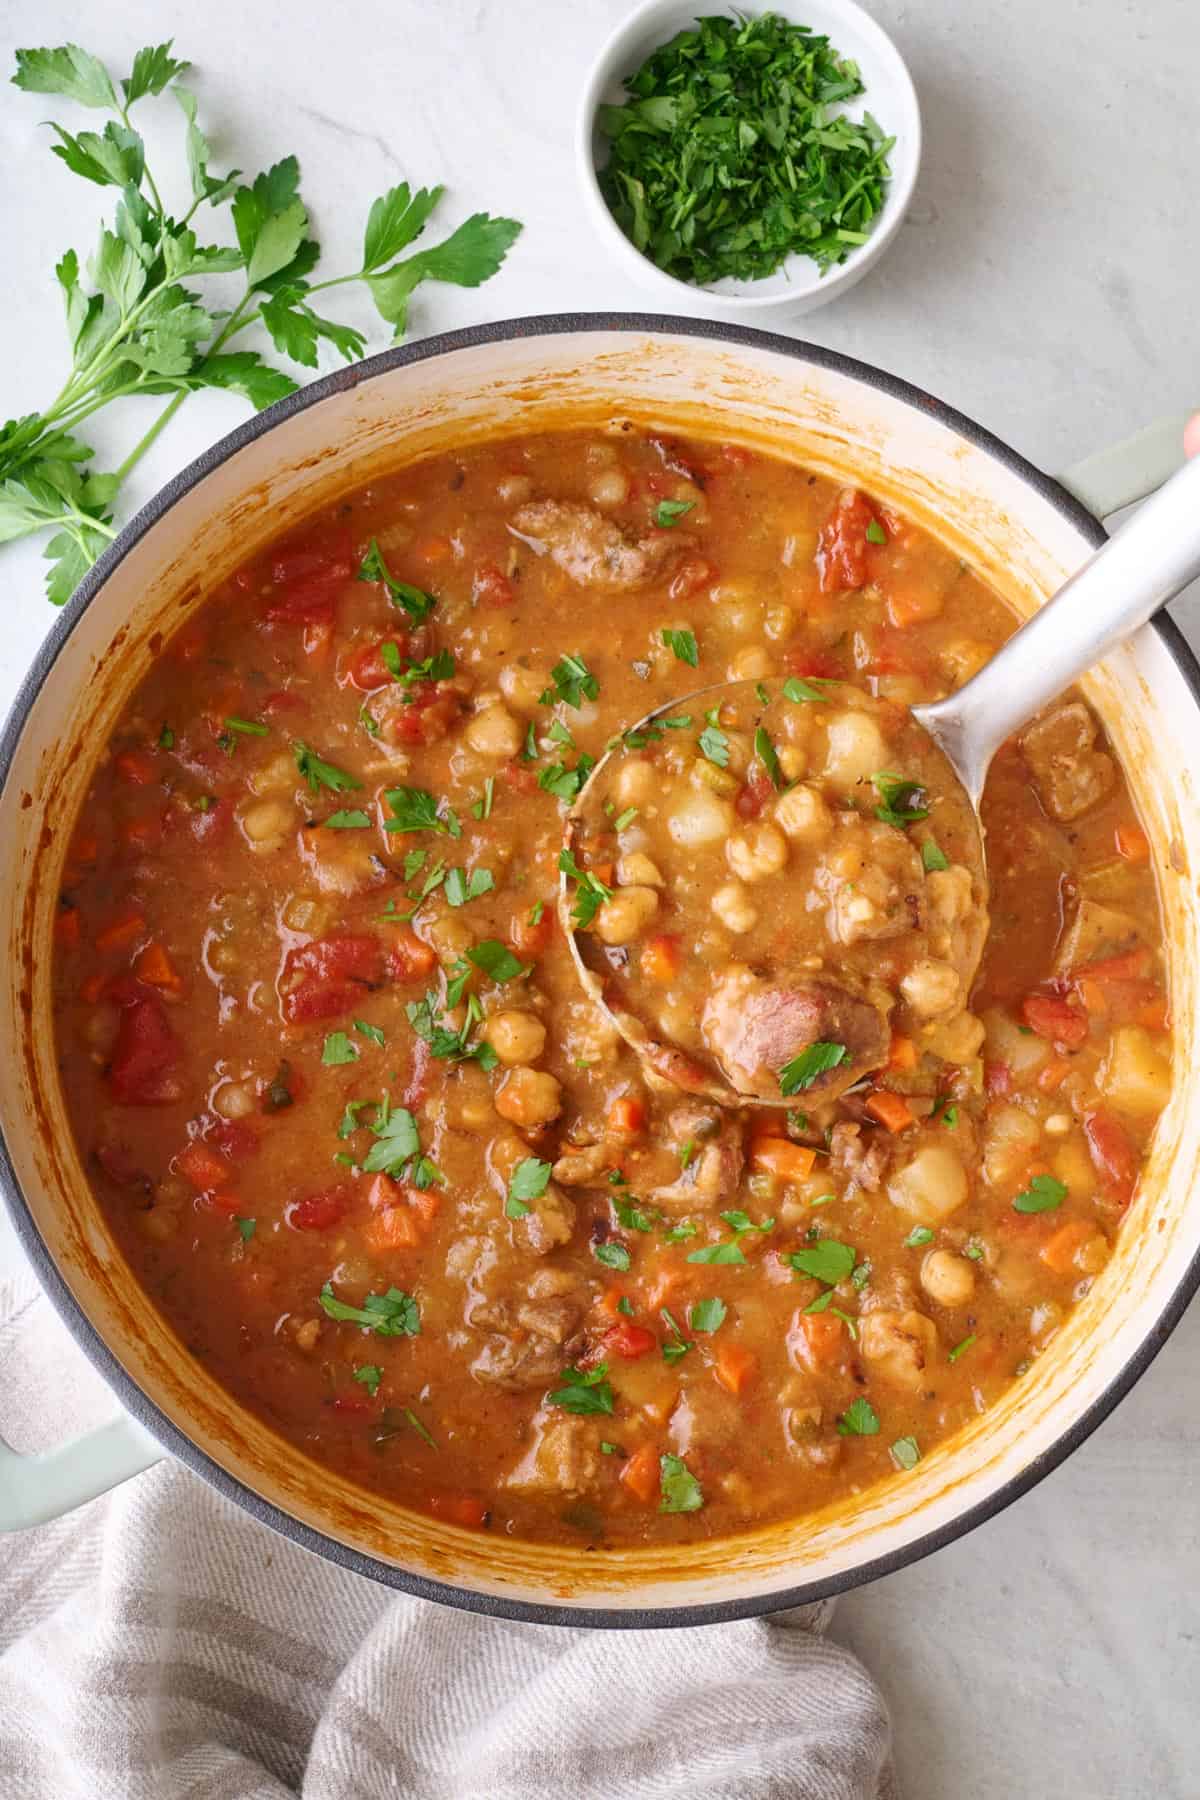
{"x": 160, "y": 1643}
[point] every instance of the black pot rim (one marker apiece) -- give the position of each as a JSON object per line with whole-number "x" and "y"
{"x": 86, "y": 1335}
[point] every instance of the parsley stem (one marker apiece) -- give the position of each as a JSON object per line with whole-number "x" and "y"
{"x": 143, "y": 444}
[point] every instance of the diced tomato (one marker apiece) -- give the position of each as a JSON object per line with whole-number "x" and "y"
{"x": 640, "y": 1474}
{"x": 282, "y": 701}
{"x": 627, "y": 1340}
{"x": 122, "y": 932}
{"x": 206, "y": 1169}
{"x": 817, "y": 665}
{"x": 997, "y": 1079}
{"x": 408, "y": 957}
{"x": 140, "y": 767}
{"x": 843, "y": 546}
{"x": 1054, "y": 1018}
{"x": 118, "y": 1164}
{"x": 432, "y": 549}
{"x": 67, "y": 928}
{"x": 460, "y": 1509}
{"x": 1113, "y": 1155}
{"x": 753, "y": 795}
{"x": 155, "y": 968}
{"x": 308, "y": 579}
{"x": 222, "y": 1200}
{"x": 352, "y": 1403}
{"x": 491, "y": 587}
{"x": 306, "y": 602}
{"x": 690, "y": 577}
{"x": 529, "y": 937}
{"x": 236, "y": 1138}
{"x": 367, "y": 670}
{"x": 141, "y": 1070}
{"x": 319, "y": 1211}
{"x": 330, "y": 975}
{"x": 425, "y": 719}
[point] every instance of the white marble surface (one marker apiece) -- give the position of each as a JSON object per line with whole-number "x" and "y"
{"x": 1046, "y": 283}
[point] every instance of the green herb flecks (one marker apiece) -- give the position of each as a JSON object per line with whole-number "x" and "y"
{"x": 414, "y": 601}
{"x": 394, "y": 1314}
{"x": 813, "y": 1062}
{"x": 528, "y": 1181}
{"x": 902, "y": 801}
{"x": 681, "y": 1492}
{"x": 320, "y": 774}
{"x": 583, "y": 1391}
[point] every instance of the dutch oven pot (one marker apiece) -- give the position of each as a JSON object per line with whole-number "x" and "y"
{"x": 1023, "y": 531}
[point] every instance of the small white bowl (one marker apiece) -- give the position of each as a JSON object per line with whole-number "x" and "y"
{"x": 797, "y": 286}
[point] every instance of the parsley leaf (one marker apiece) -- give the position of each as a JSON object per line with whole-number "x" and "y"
{"x": 806, "y": 689}
{"x": 590, "y": 893}
{"x": 1044, "y": 1194}
{"x": 681, "y": 1492}
{"x": 565, "y": 784}
{"x": 246, "y": 1227}
{"x": 583, "y": 1391}
{"x": 722, "y": 1253}
{"x": 859, "y": 1419}
{"x": 679, "y": 1345}
{"x": 668, "y": 513}
{"x": 414, "y": 601}
{"x": 813, "y": 1062}
{"x": 919, "y": 1235}
{"x": 394, "y": 1314}
{"x": 766, "y": 753}
{"x": 416, "y": 809}
{"x": 960, "y": 1349}
{"x": 933, "y": 857}
{"x": 528, "y": 1181}
{"x": 906, "y": 1452}
{"x": 319, "y": 774}
{"x": 903, "y": 800}
{"x": 370, "y": 1031}
{"x": 707, "y": 1315}
{"x": 827, "y": 1261}
{"x": 573, "y": 683}
{"x": 713, "y": 742}
{"x": 370, "y": 1375}
{"x": 632, "y": 1216}
{"x": 338, "y": 1049}
{"x": 683, "y": 643}
{"x": 875, "y": 533}
{"x": 347, "y": 819}
{"x": 461, "y": 887}
{"x": 496, "y": 960}
{"x": 612, "y": 1254}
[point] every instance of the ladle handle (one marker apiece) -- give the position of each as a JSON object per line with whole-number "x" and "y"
{"x": 1122, "y": 586}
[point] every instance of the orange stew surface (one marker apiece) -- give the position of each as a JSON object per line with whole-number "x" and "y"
{"x": 397, "y": 1180}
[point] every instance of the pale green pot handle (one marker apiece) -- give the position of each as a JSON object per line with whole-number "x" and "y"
{"x": 1110, "y": 479}
{"x": 34, "y": 1489}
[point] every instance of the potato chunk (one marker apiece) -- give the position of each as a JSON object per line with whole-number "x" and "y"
{"x": 930, "y": 1187}
{"x": 1136, "y": 1076}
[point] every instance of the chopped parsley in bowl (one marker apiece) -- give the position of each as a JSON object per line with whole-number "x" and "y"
{"x": 766, "y": 159}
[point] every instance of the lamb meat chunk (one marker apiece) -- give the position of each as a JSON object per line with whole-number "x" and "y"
{"x": 549, "y": 1223}
{"x": 562, "y": 1459}
{"x": 715, "y": 1166}
{"x": 863, "y": 1160}
{"x": 1071, "y": 775}
{"x": 541, "y": 1341}
{"x": 592, "y": 550}
{"x": 754, "y": 1027}
{"x": 586, "y": 1167}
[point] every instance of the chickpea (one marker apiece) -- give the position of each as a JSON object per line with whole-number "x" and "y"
{"x": 275, "y": 775}
{"x": 778, "y": 622}
{"x": 750, "y": 663}
{"x": 620, "y": 919}
{"x": 512, "y": 490}
{"x": 949, "y": 893}
{"x": 740, "y": 608}
{"x": 739, "y": 749}
{"x": 609, "y": 488}
{"x": 931, "y": 987}
{"x": 803, "y": 815}
{"x": 266, "y": 825}
{"x": 528, "y": 1097}
{"x": 449, "y": 936}
{"x": 901, "y": 1345}
{"x": 235, "y": 1099}
{"x": 757, "y": 852}
{"x": 636, "y": 869}
{"x": 521, "y": 687}
{"x": 700, "y": 818}
{"x": 949, "y": 1280}
{"x": 636, "y": 783}
{"x": 734, "y": 908}
{"x": 793, "y": 761}
{"x": 305, "y": 912}
{"x": 305, "y": 1336}
{"x": 495, "y": 732}
{"x": 855, "y": 749}
{"x": 515, "y": 1036}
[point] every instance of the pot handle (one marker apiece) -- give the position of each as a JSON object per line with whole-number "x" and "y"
{"x": 1115, "y": 477}
{"x": 35, "y": 1489}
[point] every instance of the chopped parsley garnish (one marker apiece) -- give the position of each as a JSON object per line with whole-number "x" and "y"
{"x": 393, "y": 662}
{"x": 679, "y": 1234}
{"x": 681, "y": 1492}
{"x": 565, "y": 784}
{"x": 947, "y": 1112}
{"x": 859, "y": 1419}
{"x": 590, "y": 893}
{"x": 370, "y": 1031}
{"x": 767, "y": 755}
{"x": 683, "y": 643}
{"x": 368, "y": 721}
{"x": 338, "y": 1049}
{"x": 370, "y": 1375}
{"x": 496, "y": 960}
{"x": 394, "y": 1314}
{"x": 246, "y": 1227}
{"x": 625, "y": 1306}
{"x": 631, "y": 1216}
{"x": 558, "y": 733}
{"x": 919, "y": 1235}
{"x": 875, "y": 533}
{"x": 425, "y": 1017}
{"x": 679, "y": 1345}
{"x": 607, "y": 1449}
{"x": 612, "y": 1255}
{"x": 422, "y": 1430}
{"x": 805, "y": 690}
{"x": 1044, "y": 1194}
{"x": 722, "y": 1253}
{"x": 414, "y": 601}
{"x": 903, "y": 801}
{"x": 461, "y": 887}
{"x": 166, "y": 738}
{"x": 583, "y": 1391}
{"x": 740, "y": 1222}
{"x": 347, "y": 819}
{"x": 668, "y": 513}
{"x": 714, "y": 744}
{"x": 397, "y": 1148}
{"x": 861, "y": 1276}
{"x": 573, "y": 683}
{"x": 438, "y": 667}
{"x": 828, "y": 1261}
{"x": 933, "y": 857}
{"x": 707, "y": 1315}
{"x": 906, "y": 1452}
{"x": 974, "y": 1250}
{"x": 730, "y": 155}
{"x": 348, "y": 1123}
{"x": 535, "y": 912}
{"x": 319, "y": 773}
{"x": 416, "y": 809}
{"x": 686, "y": 1153}
{"x": 813, "y": 1062}
{"x": 624, "y": 820}
{"x": 528, "y": 1181}
{"x": 482, "y": 808}
{"x": 960, "y": 1349}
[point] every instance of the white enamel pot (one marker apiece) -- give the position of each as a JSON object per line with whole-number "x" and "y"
{"x": 1022, "y": 530}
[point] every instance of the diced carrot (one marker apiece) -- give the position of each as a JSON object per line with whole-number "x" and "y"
{"x": 395, "y": 1228}
{"x": 1058, "y": 1252}
{"x": 1052, "y": 1075}
{"x": 890, "y": 1109}
{"x": 640, "y": 1474}
{"x": 902, "y": 1052}
{"x": 660, "y": 958}
{"x": 626, "y": 1115}
{"x": 91, "y": 989}
{"x": 409, "y": 956}
{"x": 136, "y": 766}
{"x": 769, "y": 1122}
{"x": 1132, "y": 965}
{"x": 823, "y": 1333}
{"x": 459, "y": 1509}
{"x": 911, "y": 598}
{"x": 155, "y": 967}
{"x": 204, "y": 1168}
{"x": 1154, "y": 1015}
{"x": 778, "y": 1156}
{"x": 604, "y": 872}
{"x": 1052, "y": 1017}
{"x": 1132, "y": 843}
{"x": 530, "y": 937}
{"x": 67, "y": 929}
{"x": 734, "y": 1367}
{"x": 122, "y": 932}
{"x": 1092, "y": 995}
{"x": 432, "y": 549}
